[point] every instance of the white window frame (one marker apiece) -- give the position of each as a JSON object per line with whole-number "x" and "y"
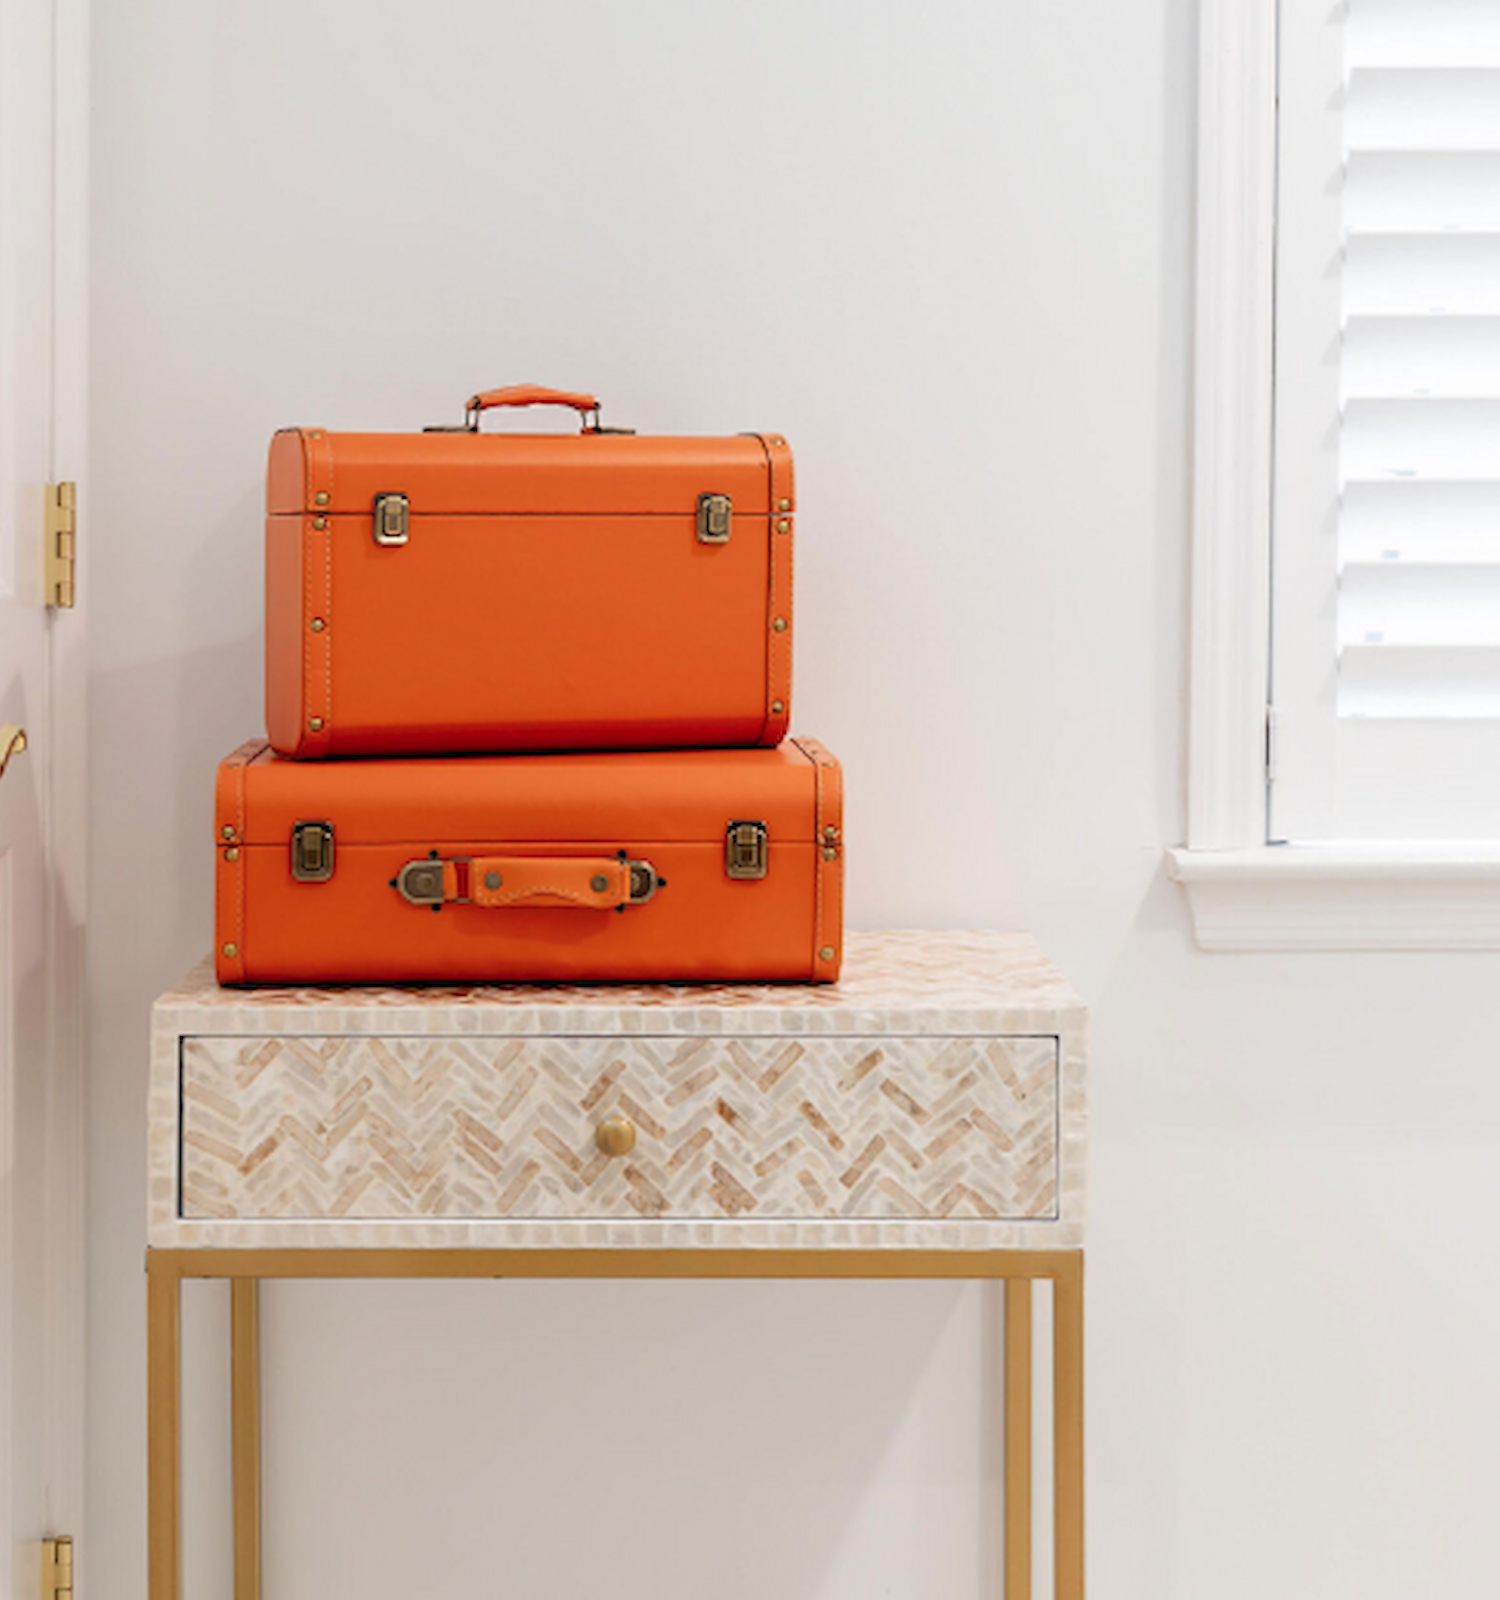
{"x": 1246, "y": 894}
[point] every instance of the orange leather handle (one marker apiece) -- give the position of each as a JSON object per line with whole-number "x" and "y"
{"x": 531, "y": 394}
{"x": 586, "y": 883}
{"x": 582, "y": 883}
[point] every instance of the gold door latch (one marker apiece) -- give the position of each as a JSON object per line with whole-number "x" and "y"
{"x": 60, "y": 564}
{"x": 12, "y": 743}
{"x": 57, "y": 1569}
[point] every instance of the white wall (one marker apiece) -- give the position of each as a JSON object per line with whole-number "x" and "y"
{"x": 946, "y": 249}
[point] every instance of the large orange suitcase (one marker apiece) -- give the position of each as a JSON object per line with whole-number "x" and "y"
{"x": 455, "y": 590}
{"x": 673, "y": 866}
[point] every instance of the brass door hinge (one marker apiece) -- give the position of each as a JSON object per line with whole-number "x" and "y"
{"x": 57, "y": 1568}
{"x": 59, "y": 567}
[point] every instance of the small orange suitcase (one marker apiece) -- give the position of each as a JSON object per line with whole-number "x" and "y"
{"x": 454, "y": 590}
{"x": 668, "y": 866}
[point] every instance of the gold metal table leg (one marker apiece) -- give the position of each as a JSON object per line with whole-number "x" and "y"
{"x": 244, "y": 1268}
{"x": 1067, "y": 1401}
{"x": 1018, "y": 1439}
{"x": 244, "y": 1311}
{"x": 164, "y": 1427}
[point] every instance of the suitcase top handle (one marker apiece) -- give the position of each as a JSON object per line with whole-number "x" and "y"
{"x": 528, "y": 394}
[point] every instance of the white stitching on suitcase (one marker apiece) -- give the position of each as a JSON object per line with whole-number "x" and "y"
{"x": 784, "y": 653}
{"x": 328, "y": 610}
{"x": 541, "y": 888}
{"x": 304, "y": 703}
{"x": 760, "y": 439}
{"x": 240, "y": 866}
{"x": 817, "y": 850}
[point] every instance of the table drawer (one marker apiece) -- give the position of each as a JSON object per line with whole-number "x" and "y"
{"x": 377, "y": 1128}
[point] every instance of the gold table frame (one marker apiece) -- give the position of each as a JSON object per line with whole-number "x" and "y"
{"x": 166, "y": 1269}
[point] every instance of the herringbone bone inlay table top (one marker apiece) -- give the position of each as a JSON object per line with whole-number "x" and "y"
{"x": 934, "y": 1097}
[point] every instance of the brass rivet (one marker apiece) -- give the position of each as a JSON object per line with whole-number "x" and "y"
{"x": 321, "y": 498}
{"x": 783, "y": 505}
{"x": 778, "y": 441}
{"x": 493, "y": 880}
{"x": 227, "y": 831}
{"x": 320, "y": 522}
{"x": 826, "y": 953}
{"x": 779, "y": 624}
{"x": 317, "y": 624}
{"x": 231, "y": 855}
{"x": 315, "y": 723}
{"x": 598, "y": 883}
{"x": 778, "y": 706}
{"x": 783, "y": 526}
{"x": 231, "y": 950}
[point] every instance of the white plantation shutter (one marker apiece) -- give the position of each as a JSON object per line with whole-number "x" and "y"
{"x": 1386, "y": 506}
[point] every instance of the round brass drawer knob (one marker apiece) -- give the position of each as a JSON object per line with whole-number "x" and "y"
{"x": 615, "y": 1136}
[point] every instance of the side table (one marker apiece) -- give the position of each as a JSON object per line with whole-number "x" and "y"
{"x": 925, "y": 1117}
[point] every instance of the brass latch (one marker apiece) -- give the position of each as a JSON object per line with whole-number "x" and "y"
{"x": 746, "y": 849}
{"x": 645, "y": 880}
{"x": 714, "y": 513}
{"x": 57, "y": 1569}
{"x": 60, "y": 565}
{"x": 312, "y": 852}
{"x": 392, "y": 513}
{"x": 421, "y": 882}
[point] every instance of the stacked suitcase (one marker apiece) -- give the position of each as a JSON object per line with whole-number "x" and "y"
{"x": 527, "y": 698}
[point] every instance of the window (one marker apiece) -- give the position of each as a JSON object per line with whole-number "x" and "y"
{"x": 1344, "y": 787}
{"x": 1385, "y": 515}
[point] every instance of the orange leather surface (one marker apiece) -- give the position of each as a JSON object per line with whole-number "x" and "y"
{"x": 542, "y": 474}
{"x": 552, "y": 595}
{"x": 670, "y": 808}
{"x": 531, "y": 394}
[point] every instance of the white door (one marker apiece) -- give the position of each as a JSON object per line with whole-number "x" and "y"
{"x": 41, "y": 799}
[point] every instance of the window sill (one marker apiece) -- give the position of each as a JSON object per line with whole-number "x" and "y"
{"x": 1344, "y": 896}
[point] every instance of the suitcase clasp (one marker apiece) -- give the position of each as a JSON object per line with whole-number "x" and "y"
{"x": 312, "y": 852}
{"x": 391, "y": 518}
{"x": 746, "y": 849}
{"x": 714, "y": 514}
